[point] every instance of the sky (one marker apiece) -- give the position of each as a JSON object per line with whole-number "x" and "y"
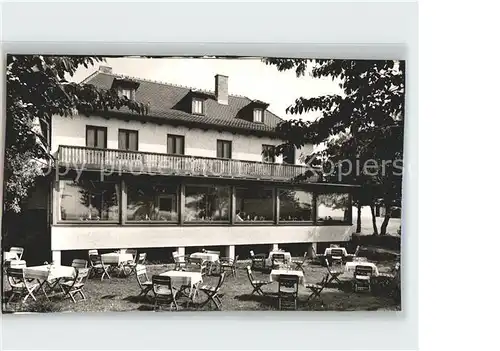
{"x": 247, "y": 76}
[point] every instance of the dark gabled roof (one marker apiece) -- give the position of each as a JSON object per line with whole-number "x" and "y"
{"x": 163, "y": 99}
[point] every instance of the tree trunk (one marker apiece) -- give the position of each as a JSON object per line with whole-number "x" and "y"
{"x": 358, "y": 220}
{"x": 387, "y": 217}
{"x": 374, "y": 220}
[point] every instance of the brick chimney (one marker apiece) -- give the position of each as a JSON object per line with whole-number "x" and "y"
{"x": 221, "y": 89}
{"x": 105, "y": 69}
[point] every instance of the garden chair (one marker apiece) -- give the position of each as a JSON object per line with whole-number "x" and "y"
{"x": 362, "y": 277}
{"x": 78, "y": 263}
{"x": 163, "y": 292}
{"x": 20, "y": 285}
{"x": 96, "y": 265}
{"x": 75, "y": 286}
{"x": 316, "y": 289}
{"x": 256, "y": 284}
{"x": 336, "y": 256}
{"x": 334, "y": 271}
{"x": 145, "y": 284}
{"x": 300, "y": 263}
{"x": 131, "y": 264}
{"x": 179, "y": 260}
{"x": 18, "y": 251}
{"x": 258, "y": 260}
{"x": 213, "y": 292}
{"x": 229, "y": 264}
{"x": 142, "y": 258}
{"x": 278, "y": 260}
{"x": 317, "y": 258}
{"x": 288, "y": 288}
{"x": 196, "y": 265}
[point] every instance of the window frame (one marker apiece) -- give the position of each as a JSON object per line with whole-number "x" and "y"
{"x": 127, "y": 133}
{"x": 206, "y": 222}
{"x": 156, "y": 201}
{"x": 261, "y": 110}
{"x": 223, "y": 142}
{"x": 251, "y": 222}
{"x": 292, "y": 222}
{"x": 264, "y": 146}
{"x": 121, "y": 93}
{"x": 193, "y": 104}
{"x": 175, "y": 137}
{"x": 334, "y": 222}
{"x": 96, "y": 130}
{"x": 61, "y": 221}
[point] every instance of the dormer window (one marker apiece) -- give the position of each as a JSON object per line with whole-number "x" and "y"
{"x": 258, "y": 115}
{"x": 197, "y": 107}
{"x": 125, "y": 92}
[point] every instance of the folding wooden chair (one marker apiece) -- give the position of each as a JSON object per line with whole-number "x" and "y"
{"x": 196, "y": 265}
{"x": 316, "y": 257}
{"x": 163, "y": 292}
{"x": 20, "y": 285}
{"x": 79, "y": 263}
{"x": 316, "y": 289}
{"x": 258, "y": 260}
{"x": 213, "y": 292}
{"x": 299, "y": 264}
{"x": 362, "y": 277}
{"x": 141, "y": 275}
{"x": 96, "y": 265}
{"x": 336, "y": 256}
{"x": 179, "y": 260}
{"x": 75, "y": 286}
{"x": 18, "y": 251}
{"x": 229, "y": 264}
{"x": 142, "y": 258}
{"x": 278, "y": 260}
{"x": 288, "y": 288}
{"x": 131, "y": 264}
{"x": 256, "y": 284}
{"x": 334, "y": 271}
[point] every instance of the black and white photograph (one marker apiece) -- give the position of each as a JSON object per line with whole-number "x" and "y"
{"x": 214, "y": 183}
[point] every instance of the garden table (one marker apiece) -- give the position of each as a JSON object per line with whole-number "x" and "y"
{"x": 117, "y": 259}
{"x": 351, "y": 266}
{"x": 183, "y": 279}
{"x": 209, "y": 257}
{"x": 49, "y": 275}
{"x": 328, "y": 250}
{"x": 288, "y": 257}
{"x": 275, "y": 273}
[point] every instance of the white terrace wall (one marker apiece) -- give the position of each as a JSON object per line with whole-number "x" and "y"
{"x": 153, "y": 138}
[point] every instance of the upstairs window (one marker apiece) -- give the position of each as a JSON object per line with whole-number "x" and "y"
{"x": 96, "y": 137}
{"x": 289, "y": 156}
{"x": 175, "y": 144}
{"x": 224, "y": 149}
{"x": 128, "y": 139}
{"x": 197, "y": 107}
{"x": 268, "y": 154}
{"x": 258, "y": 115}
{"x": 125, "y": 92}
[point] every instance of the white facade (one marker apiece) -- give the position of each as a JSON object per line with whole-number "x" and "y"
{"x": 70, "y": 131}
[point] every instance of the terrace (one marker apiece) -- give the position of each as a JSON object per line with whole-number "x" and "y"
{"x": 114, "y": 160}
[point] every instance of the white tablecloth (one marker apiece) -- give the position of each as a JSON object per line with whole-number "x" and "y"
{"x": 49, "y": 272}
{"x": 205, "y": 256}
{"x": 180, "y": 278}
{"x": 328, "y": 250}
{"x": 275, "y": 273}
{"x": 116, "y": 258}
{"x": 351, "y": 266}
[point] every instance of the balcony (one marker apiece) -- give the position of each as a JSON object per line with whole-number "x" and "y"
{"x": 124, "y": 161}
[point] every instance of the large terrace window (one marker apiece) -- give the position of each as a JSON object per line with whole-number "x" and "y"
{"x": 254, "y": 204}
{"x": 88, "y": 200}
{"x": 207, "y": 203}
{"x": 333, "y": 208}
{"x": 295, "y": 205}
{"x": 152, "y": 203}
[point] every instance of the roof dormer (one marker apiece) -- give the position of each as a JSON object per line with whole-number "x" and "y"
{"x": 254, "y": 112}
{"x": 125, "y": 87}
{"x": 198, "y": 101}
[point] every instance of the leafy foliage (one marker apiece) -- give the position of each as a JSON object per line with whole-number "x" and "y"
{"x": 37, "y": 89}
{"x": 362, "y": 124}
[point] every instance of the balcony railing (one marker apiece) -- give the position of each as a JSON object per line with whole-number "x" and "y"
{"x": 125, "y": 161}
